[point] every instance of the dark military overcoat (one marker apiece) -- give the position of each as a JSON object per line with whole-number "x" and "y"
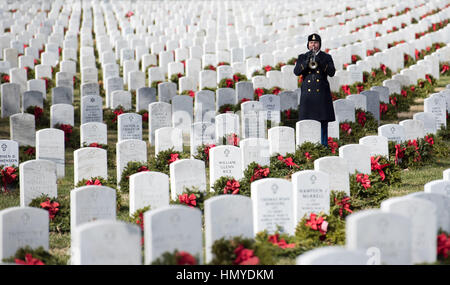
{"x": 316, "y": 102}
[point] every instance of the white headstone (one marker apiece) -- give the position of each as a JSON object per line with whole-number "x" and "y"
{"x": 273, "y": 206}
{"x": 227, "y": 216}
{"x": 37, "y": 177}
{"x": 423, "y": 225}
{"x": 106, "y": 243}
{"x": 387, "y": 233}
{"x": 173, "y": 228}
{"x": 91, "y": 203}
{"x": 21, "y": 227}
{"x": 89, "y": 162}
{"x": 311, "y": 193}
{"x": 337, "y": 169}
{"x": 148, "y": 188}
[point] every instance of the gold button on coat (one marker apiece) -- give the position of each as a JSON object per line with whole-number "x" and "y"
{"x": 309, "y": 90}
{"x": 309, "y": 81}
{"x": 317, "y": 90}
{"x": 318, "y": 80}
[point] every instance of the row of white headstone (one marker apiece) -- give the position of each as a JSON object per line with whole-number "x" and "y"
{"x": 403, "y": 231}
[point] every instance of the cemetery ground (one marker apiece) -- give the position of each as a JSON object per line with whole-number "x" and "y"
{"x": 413, "y": 180}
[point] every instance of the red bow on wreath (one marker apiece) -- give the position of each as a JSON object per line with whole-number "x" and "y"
{"x": 117, "y": 113}
{"x": 29, "y": 260}
{"x": 232, "y": 186}
{"x": 346, "y": 89}
{"x": 96, "y": 182}
{"x": 345, "y": 205}
{"x": 173, "y": 157}
{"x": 8, "y": 176}
{"x": 188, "y": 200}
{"x": 364, "y": 180}
{"x": 399, "y": 153}
{"x": 245, "y": 256}
{"x": 259, "y": 173}
{"x": 318, "y": 224}
{"x": 378, "y": 167}
{"x": 51, "y": 207}
{"x": 259, "y": 92}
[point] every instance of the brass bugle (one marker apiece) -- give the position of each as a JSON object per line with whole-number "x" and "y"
{"x": 312, "y": 62}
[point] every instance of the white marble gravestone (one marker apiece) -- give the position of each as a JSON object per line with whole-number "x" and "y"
{"x": 273, "y": 206}
{"x": 148, "y": 188}
{"x": 106, "y": 243}
{"x": 91, "y": 203}
{"x": 37, "y": 177}
{"x": 227, "y": 216}
{"x": 424, "y": 225}
{"x": 388, "y": 233}
{"x": 21, "y": 227}
{"x": 173, "y": 228}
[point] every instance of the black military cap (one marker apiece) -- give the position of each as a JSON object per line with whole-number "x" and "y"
{"x": 314, "y": 37}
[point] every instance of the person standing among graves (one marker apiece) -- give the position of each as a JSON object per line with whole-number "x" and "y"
{"x": 316, "y": 102}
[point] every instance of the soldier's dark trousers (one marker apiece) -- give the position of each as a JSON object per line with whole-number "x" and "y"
{"x": 324, "y": 133}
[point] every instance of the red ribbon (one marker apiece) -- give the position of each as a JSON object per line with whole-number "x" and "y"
{"x": 207, "y": 148}
{"x": 399, "y": 153}
{"x": 245, "y": 256}
{"x": 364, "y": 180}
{"x": 96, "y": 182}
{"x": 443, "y": 245}
{"x": 233, "y": 139}
{"x": 259, "y": 92}
{"x": 287, "y": 161}
{"x": 30, "y": 151}
{"x": 38, "y": 113}
{"x": 360, "y": 88}
{"x": 393, "y": 101}
{"x": 383, "y": 108}
{"x": 29, "y": 260}
{"x": 143, "y": 168}
{"x": 67, "y": 131}
{"x": 345, "y": 205}
{"x": 445, "y": 68}
{"x": 383, "y": 68}
{"x": 229, "y": 83}
{"x": 428, "y": 78}
{"x": 404, "y": 93}
{"x": 332, "y": 144}
{"x": 346, "y": 89}
{"x": 145, "y": 117}
{"x": 317, "y": 224}
{"x": 173, "y": 157}
{"x": 188, "y": 200}
{"x": 117, "y": 113}
{"x": 140, "y": 221}
{"x": 51, "y": 207}
{"x": 232, "y": 186}
{"x": 184, "y": 258}
{"x": 275, "y": 239}
{"x": 276, "y": 91}
{"x": 346, "y": 128}
{"x": 288, "y": 114}
{"x": 362, "y": 118}
{"x": 259, "y": 173}
{"x": 429, "y": 140}
{"x": 267, "y": 68}
{"x": 375, "y": 165}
